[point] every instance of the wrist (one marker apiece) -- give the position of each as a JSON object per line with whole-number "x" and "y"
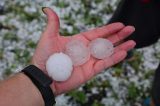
{"x": 34, "y": 95}
{"x": 42, "y": 82}
{"x": 40, "y": 66}
{"x": 52, "y": 86}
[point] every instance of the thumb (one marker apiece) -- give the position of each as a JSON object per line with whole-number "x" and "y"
{"x": 52, "y": 22}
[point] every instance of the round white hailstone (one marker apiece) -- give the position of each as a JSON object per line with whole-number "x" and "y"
{"x": 78, "y": 52}
{"x": 59, "y": 66}
{"x": 101, "y": 48}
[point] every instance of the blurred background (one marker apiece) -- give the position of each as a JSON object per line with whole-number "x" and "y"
{"x": 21, "y": 23}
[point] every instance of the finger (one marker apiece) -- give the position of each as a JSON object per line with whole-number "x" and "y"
{"x": 52, "y": 22}
{"x": 126, "y": 46}
{"x": 110, "y": 61}
{"x": 125, "y": 32}
{"x": 103, "y": 31}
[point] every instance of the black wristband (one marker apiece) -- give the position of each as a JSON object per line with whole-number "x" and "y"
{"x": 42, "y": 82}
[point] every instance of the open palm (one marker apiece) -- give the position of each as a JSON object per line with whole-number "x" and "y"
{"x": 51, "y": 42}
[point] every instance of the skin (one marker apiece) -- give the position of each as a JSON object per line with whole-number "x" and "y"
{"x": 51, "y": 42}
{"x": 19, "y": 90}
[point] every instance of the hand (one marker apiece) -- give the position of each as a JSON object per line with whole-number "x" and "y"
{"x": 51, "y": 42}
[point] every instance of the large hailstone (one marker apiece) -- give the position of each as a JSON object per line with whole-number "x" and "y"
{"x": 101, "y": 48}
{"x": 78, "y": 52}
{"x": 59, "y": 66}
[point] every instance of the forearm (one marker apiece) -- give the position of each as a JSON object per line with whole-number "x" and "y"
{"x": 19, "y": 91}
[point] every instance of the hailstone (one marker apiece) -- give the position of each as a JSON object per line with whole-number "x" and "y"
{"x": 59, "y": 66}
{"x": 101, "y": 48}
{"x": 78, "y": 52}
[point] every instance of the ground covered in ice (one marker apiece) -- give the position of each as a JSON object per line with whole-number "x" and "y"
{"x": 21, "y": 23}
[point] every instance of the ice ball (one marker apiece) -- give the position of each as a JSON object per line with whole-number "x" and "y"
{"x": 101, "y": 48}
{"x": 59, "y": 66}
{"x": 78, "y": 52}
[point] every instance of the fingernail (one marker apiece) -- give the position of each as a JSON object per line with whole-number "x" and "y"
{"x": 133, "y": 28}
{"x": 134, "y": 44}
{"x": 43, "y": 9}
